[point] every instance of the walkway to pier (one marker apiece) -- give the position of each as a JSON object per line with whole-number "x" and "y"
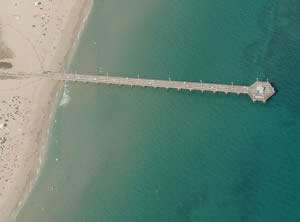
{"x": 258, "y": 91}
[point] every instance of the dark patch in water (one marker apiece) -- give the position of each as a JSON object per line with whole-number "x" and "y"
{"x": 251, "y": 59}
{"x": 265, "y": 17}
{"x": 246, "y": 189}
{"x": 282, "y": 56}
{"x": 194, "y": 202}
{"x": 275, "y": 52}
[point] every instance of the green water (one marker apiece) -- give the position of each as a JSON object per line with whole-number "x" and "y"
{"x": 122, "y": 154}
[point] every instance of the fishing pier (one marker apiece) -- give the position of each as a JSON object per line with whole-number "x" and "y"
{"x": 258, "y": 91}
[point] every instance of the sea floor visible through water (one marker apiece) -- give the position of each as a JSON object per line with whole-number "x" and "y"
{"x": 135, "y": 154}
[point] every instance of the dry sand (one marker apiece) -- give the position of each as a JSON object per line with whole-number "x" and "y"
{"x": 36, "y": 36}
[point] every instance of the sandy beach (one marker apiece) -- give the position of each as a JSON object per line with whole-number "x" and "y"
{"x": 35, "y": 36}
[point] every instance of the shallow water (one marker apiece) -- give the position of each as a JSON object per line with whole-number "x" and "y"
{"x": 122, "y": 154}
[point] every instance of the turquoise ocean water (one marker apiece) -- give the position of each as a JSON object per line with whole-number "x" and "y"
{"x": 121, "y": 154}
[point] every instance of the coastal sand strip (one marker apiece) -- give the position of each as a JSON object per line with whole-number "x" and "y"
{"x": 40, "y": 34}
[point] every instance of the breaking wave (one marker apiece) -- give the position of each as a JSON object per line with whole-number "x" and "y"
{"x": 66, "y": 97}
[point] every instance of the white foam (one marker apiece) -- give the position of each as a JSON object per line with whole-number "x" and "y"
{"x": 66, "y": 97}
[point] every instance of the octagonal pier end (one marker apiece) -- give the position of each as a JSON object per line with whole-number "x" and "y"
{"x": 261, "y": 91}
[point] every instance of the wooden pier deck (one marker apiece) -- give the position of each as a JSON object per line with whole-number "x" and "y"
{"x": 258, "y": 91}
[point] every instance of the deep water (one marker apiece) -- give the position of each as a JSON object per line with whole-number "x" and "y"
{"x": 134, "y": 154}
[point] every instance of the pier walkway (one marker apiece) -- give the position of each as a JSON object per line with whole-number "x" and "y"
{"x": 258, "y": 91}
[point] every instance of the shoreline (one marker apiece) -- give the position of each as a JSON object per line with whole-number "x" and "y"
{"x": 85, "y": 16}
{"x": 31, "y": 182}
{"x": 74, "y": 35}
{"x": 42, "y": 113}
{"x": 56, "y": 97}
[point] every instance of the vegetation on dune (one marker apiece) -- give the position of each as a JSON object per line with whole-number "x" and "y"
{"x": 5, "y": 52}
{"x": 5, "y": 65}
